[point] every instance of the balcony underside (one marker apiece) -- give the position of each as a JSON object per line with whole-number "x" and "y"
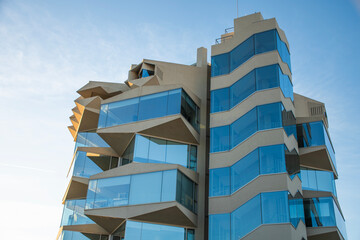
{"x": 76, "y": 189}
{"x": 317, "y": 158}
{"x": 174, "y": 128}
{"x": 323, "y": 233}
{"x": 86, "y": 228}
{"x": 170, "y": 213}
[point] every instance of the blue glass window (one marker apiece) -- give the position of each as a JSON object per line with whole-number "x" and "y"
{"x": 153, "y": 106}
{"x": 71, "y": 235}
{"x": 242, "y": 53}
{"x": 149, "y": 231}
{"x": 316, "y": 180}
{"x": 73, "y": 213}
{"x": 242, "y": 88}
{"x": 219, "y": 226}
{"x": 142, "y": 108}
{"x": 256, "y": 44}
{"x": 275, "y": 207}
{"x": 145, "y": 188}
{"x": 89, "y": 139}
{"x": 85, "y": 167}
{"x": 296, "y": 208}
{"x": 265, "y": 41}
{"x": 243, "y": 128}
{"x": 220, "y": 64}
{"x": 272, "y": 159}
{"x": 220, "y": 100}
{"x": 245, "y": 170}
{"x": 220, "y": 139}
{"x": 269, "y": 116}
{"x": 267, "y": 77}
{"x": 153, "y": 150}
{"x": 142, "y": 188}
{"x": 246, "y": 218}
{"x": 219, "y": 181}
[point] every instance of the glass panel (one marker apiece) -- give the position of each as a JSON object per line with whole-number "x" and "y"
{"x": 89, "y": 139}
{"x": 168, "y": 191}
{"x": 187, "y": 192}
{"x": 145, "y": 188}
{"x": 272, "y": 159}
{"x": 219, "y": 139}
{"x": 114, "y": 162}
{"x": 243, "y": 128}
{"x": 157, "y": 150}
{"x": 219, "y": 182}
{"x": 245, "y": 170}
{"x": 286, "y": 85}
{"x": 90, "y": 196}
{"x": 220, "y": 64}
{"x": 242, "y": 88}
{"x": 161, "y": 232}
{"x": 174, "y": 102}
{"x": 296, "y": 208}
{"x": 153, "y": 106}
{"x": 141, "y": 153}
{"x": 242, "y": 53}
{"x": 246, "y": 218}
{"x": 319, "y": 212}
{"x": 121, "y": 112}
{"x": 103, "y": 115}
{"x": 133, "y": 230}
{"x": 128, "y": 155}
{"x": 219, "y": 227}
{"x": 74, "y": 213}
{"x": 177, "y": 153}
{"x": 112, "y": 192}
{"x": 267, "y": 77}
{"x": 190, "y": 110}
{"x": 265, "y": 42}
{"x": 283, "y": 51}
{"x": 275, "y": 207}
{"x": 269, "y": 116}
{"x": 220, "y": 100}
{"x": 193, "y": 157}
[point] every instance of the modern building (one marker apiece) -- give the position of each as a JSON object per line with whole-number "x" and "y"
{"x": 218, "y": 151}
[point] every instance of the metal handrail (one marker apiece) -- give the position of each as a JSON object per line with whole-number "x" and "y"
{"x": 227, "y": 30}
{"x": 219, "y": 40}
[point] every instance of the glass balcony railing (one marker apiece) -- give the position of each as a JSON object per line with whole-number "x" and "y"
{"x": 70, "y": 235}
{"x": 323, "y": 212}
{"x": 73, "y": 213}
{"x": 316, "y": 180}
{"x": 143, "y": 188}
{"x": 89, "y": 139}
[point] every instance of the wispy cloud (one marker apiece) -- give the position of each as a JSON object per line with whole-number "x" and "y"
{"x": 27, "y": 167}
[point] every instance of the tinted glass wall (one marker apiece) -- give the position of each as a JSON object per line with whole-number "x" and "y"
{"x": 316, "y": 180}
{"x": 315, "y": 134}
{"x": 262, "y": 117}
{"x": 265, "y": 208}
{"x": 89, "y": 139}
{"x": 263, "y": 160}
{"x": 256, "y": 44}
{"x": 147, "y": 231}
{"x": 149, "y": 106}
{"x": 323, "y": 212}
{"x": 141, "y": 189}
{"x": 85, "y": 166}
{"x": 73, "y": 213}
{"x": 153, "y": 150}
{"x": 259, "y": 79}
{"x": 69, "y": 235}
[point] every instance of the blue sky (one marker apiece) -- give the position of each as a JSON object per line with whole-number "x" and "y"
{"x": 49, "y": 49}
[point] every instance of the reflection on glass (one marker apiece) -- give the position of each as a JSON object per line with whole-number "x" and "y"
{"x": 73, "y": 213}
{"x": 142, "y": 108}
{"x": 263, "y": 160}
{"x": 154, "y": 150}
{"x": 262, "y": 78}
{"x": 70, "y": 235}
{"x": 148, "y": 231}
{"x": 89, "y": 139}
{"x": 256, "y": 44}
{"x": 219, "y": 226}
{"x": 316, "y": 180}
{"x": 262, "y": 117}
{"x": 170, "y": 185}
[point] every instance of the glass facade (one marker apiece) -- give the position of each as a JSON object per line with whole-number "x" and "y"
{"x": 85, "y": 166}
{"x": 147, "y": 231}
{"x": 315, "y": 134}
{"x": 256, "y": 44}
{"x": 70, "y": 235}
{"x": 259, "y": 79}
{"x": 73, "y": 213}
{"x": 316, "y": 180}
{"x": 265, "y": 208}
{"x": 153, "y": 150}
{"x": 323, "y": 212}
{"x": 89, "y": 139}
{"x": 296, "y": 208}
{"x": 263, "y": 160}
{"x": 142, "y": 108}
{"x": 143, "y": 188}
{"x": 262, "y": 117}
